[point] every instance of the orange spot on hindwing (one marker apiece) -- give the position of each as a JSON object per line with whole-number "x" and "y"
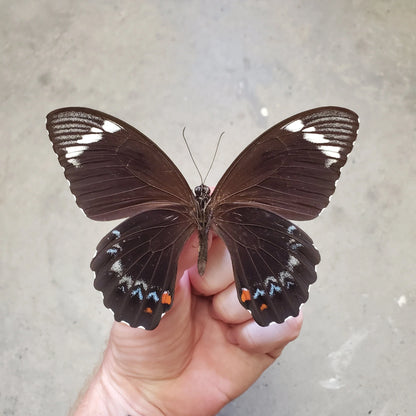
{"x": 166, "y": 298}
{"x": 245, "y": 295}
{"x": 148, "y": 310}
{"x": 263, "y": 307}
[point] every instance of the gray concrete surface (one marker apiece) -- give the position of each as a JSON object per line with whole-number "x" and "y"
{"x": 213, "y": 66}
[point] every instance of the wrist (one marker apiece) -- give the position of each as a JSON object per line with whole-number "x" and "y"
{"x": 112, "y": 394}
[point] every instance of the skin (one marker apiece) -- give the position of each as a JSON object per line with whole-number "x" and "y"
{"x": 206, "y": 351}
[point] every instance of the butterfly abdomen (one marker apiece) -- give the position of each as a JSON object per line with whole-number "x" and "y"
{"x": 203, "y": 217}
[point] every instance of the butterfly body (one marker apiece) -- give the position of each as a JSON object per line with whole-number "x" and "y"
{"x": 287, "y": 173}
{"x": 204, "y": 217}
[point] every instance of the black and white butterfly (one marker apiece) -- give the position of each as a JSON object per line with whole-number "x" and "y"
{"x": 287, "y": 173}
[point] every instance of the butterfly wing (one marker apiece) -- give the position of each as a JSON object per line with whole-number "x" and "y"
{"x": 136, "y": 264}
{"x": 273, "y": 261}
{"x": 288, "y": 172}
{"x": 114, "y": 170}
{"x": 291, "y": 169}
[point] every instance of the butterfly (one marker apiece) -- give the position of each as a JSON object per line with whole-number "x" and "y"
{"x": 288, "y": 173}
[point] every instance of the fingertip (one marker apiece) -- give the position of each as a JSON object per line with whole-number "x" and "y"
{"x": 294, "y": 325}
{"x": 253, "y": 338}
{"x": 227, "y": 308}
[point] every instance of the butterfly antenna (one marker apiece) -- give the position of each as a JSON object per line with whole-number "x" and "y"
{"x": 215, "y": 154}
{"x": 190, "y": 154}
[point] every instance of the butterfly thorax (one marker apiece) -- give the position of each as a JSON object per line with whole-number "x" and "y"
{"x": 204, "y": 215}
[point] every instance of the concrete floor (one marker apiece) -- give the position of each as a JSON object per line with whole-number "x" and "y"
{"x": 213, "y": 66}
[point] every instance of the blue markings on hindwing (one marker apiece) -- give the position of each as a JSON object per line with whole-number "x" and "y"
{"x": 258, "y": 293}
{"x": 137, "y": 292}
{"x": 274, "y": 289}
{"x": 153, "y": 295}
{"x": 116, "y": 233}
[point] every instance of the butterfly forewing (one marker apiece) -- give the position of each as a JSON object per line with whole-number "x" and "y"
{"x": 273, "y": 261}
{"x": 291, "y": 169}
{"x": 136, "y": 265}
{"x": 114, "y": 170}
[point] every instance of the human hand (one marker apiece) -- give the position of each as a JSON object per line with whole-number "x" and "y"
{"x": 206, "y": 351}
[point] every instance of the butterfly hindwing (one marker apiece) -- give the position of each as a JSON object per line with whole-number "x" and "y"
{"x": 291, "y": 169}
{"x": 273, "y": 261}
{"x": 136, "y": 264}
{"x": 114, "y": 170}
